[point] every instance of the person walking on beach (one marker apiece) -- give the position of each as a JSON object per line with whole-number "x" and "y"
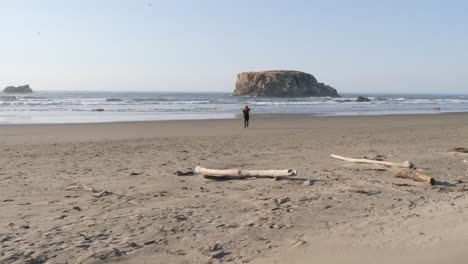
{"x": 246, "y": 111}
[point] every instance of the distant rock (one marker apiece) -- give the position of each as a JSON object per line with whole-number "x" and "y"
{"x": 18, "y": 89}
{"x": 98, "y": 110}
{"x": 362, "y": 99}
{"x": 113, "y": 100}
{"x": 281, "y": 84}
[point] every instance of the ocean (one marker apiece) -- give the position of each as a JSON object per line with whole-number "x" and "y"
{"x": 45, "y": 107}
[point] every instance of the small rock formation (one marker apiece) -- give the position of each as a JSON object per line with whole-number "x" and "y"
{"x": 18, "y": 89}
{"x": 281, "y": 84}
{"x": 362, "y": 99}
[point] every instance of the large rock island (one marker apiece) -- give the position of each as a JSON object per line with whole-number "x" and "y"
{"x": 18, "y": 89}
{"x": 281, "y": 84}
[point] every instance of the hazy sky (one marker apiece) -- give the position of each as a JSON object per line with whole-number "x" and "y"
{"x": 355, "y": 46}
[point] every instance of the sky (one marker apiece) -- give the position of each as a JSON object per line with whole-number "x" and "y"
{"x": 201, "y": 45}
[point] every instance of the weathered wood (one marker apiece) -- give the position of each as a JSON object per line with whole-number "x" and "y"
{"x": 465, "y": 161}
{"x": 101, "y": 194}
{"x": 213, "y": 172}
{"x": 185, "y": 173}
{"x": 459, "y": 149}
{"x": 368, "y": 192}
{"x": 415, "y": 176}
{"x": 405, "y": 164}
{"x": 241, "y": 174}
{"x": 81, "y": 187}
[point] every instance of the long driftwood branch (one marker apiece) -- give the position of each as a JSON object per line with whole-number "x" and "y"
{"x": 415, "y": 176}
{"x": 405, "y": 164}
{"x": 242, "y": 174}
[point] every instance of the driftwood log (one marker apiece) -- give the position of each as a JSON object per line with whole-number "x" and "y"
{"x": 242, "y": 174}
{"x": 415, "y": 176}
{"x": 405, "y": 164}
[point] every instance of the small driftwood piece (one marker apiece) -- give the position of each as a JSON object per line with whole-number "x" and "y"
{"x": 242, "y": 174}
{"x": 362, "y": 191}
{"x": 415, "y": 176}
{"x": 459, "y": 149}
{"x": 185, "y": 173}
{"x": 81, "y": 187}
{"x": 405, "y": 164}
{"x": 101, "y": 194}
{"x": 465, "y": 161}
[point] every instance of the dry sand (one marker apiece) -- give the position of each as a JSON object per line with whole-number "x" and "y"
{"x": 150, "y": 215}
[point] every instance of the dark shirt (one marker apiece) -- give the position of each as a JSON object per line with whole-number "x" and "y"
{"x": 246, "y": 113}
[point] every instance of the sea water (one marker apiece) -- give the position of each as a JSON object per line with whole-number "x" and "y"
{"x": 87, "y": 107}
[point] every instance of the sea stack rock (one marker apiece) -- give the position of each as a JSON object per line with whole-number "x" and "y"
{"x": 281, "y": 84}
{"x": 18, "y": 89}
{"x": 362, "y": 99}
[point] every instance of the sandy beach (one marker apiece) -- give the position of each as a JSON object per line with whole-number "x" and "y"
{"x": 141, "y": 212}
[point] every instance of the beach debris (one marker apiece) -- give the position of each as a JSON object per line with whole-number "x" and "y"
{"x": 465, "y": 161}
{"x": 283, "y": 200}
{"x": 402, "y": 184}
{"x": 415, "y": 176}
{"x": 459, "y": 149}
{"x": 405, "y": 164}
{"x": 299, "y": 241}
{"x": 101, "y": 194}
{"x": 214, "y": 250}
{"x": 83, "y": 187}
{"x": 242, "y": 174}
{"x": 308, "y": 183}
{"x": 134, "y": 173}
{"x": 80, "y": 187}
{"x": 149, "y": 242}
{"x": 62, "y": 217}
{"x": 213, "y": 247}
{"x": 185, "y": 173}
{"x": 380, "y": 170}
{"x": 362, "y": 191}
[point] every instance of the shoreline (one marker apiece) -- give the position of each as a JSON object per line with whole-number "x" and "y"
{"x": 109, "y": 107}
{"x": 239, "y": 116}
